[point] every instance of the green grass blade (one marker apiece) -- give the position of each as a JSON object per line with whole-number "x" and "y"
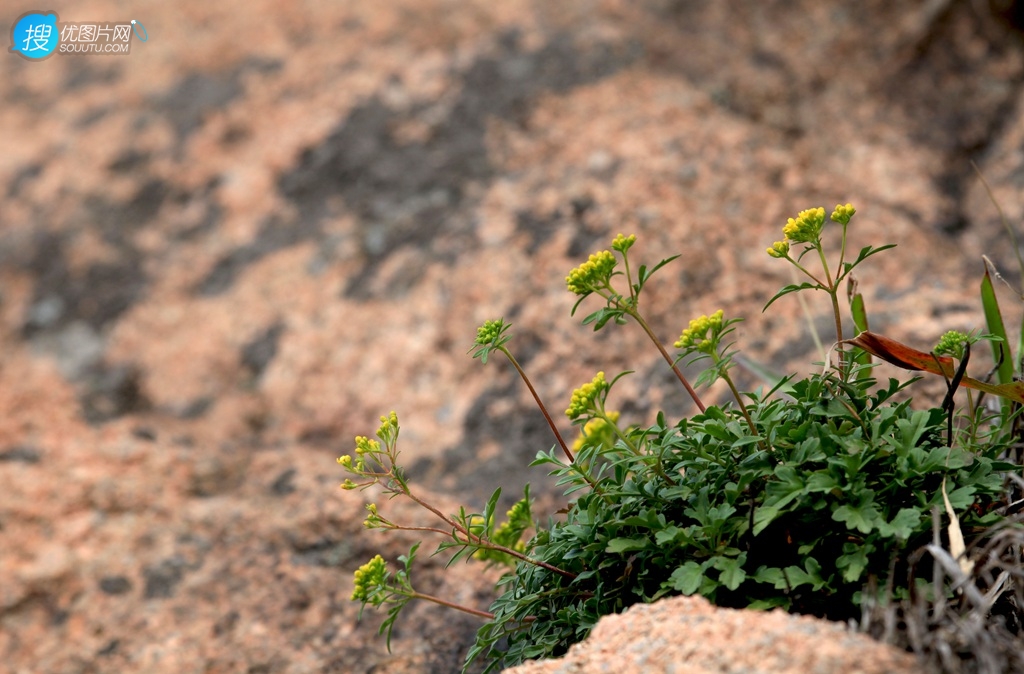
{"x": 860, "y": 321}
{"x": 994, "y": 320}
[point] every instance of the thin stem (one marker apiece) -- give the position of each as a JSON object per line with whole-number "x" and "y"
{"x": 682, "y": 378}
{"x": 842, "y": 257}
{"x": 809, "y": 317}
{"x": 402, "y": 527}
{"x": 473, "y": 538}
{"x": 739, "y": 401}
{"x": 833, "y": 291}
{"x": 805, "y": 271}
{"x": 843, "y": 365}
{"x": 629, "y": 280}
{"x": 540, "y": 403}
{"x": 458, "y": 607}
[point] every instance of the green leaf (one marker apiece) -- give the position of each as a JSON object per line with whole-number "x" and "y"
{"x": 865, "y": 253}
{"x": 792, "y": 288}
{"x": 686, "y": 578}
{"x": 768, "y": 604}
{"x": 488, "y": 513}
{"x": 994, "y": 321}
{"x": 863, "y": 518}
{"x": 962, "y": 498}
{"x": 670, "y": 534}
{"x": 903, "y": 525}
{"x": 643, "y": 275}
{"x": 626, "y": 544}
{"x": 860, "y": 321}
{"x": 732, "y": 573}
{"x": 821, "y": 482}
{"x": 600, "y": 317}
{"x": 809, "y": 575}
{"x": 771, "y": 575}
{"x": 940, "y": 458}
{"x": 853, "y": 564}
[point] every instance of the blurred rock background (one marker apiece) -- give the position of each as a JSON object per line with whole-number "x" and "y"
{"x": 227, "y": 253}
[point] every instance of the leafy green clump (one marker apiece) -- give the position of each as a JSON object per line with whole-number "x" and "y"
{"x": 845, "y": 492}
{"x": 817, "y": 496}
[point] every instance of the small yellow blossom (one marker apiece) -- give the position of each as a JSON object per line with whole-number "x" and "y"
{"x": 697, "y": 334}
{"x": 489, "y": 331}
{"x": 372, "y": 520}
{"x": 952, "y": 344}
{"x": 583, "y": 397}
{"x": 623, "y": 243}
{"x": 779, "y": 249}
{"x": 366, "y": 446}
{"x": 806, "y": 228}
{"x": 369, "y": 579}
{"x": 388, "y": 424}
{"x": 842, "y": 214}
{"x": 593, "y": 273}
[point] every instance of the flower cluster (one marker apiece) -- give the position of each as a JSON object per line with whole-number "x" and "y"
{"x": 952, "y": 344}
{"x": 373, "y": 520}
{"x": 490, "y": 337}
{"x": 842, "y": 214}
{"x": 388, "y": 431}
{"x": 583, "y": 398}
{"x": 370, "y": 450}
{"x": 592, "y": 274}
{"x": 490, "y": 331}
{"x": 806, "y": 228}
{"x": 370, "y": 579}
{"x": 597, "y": 431}
{"x": 357, "y": 466}
{"x": 779, "y": 249}
{"x": 696, "y": 336}
{"x": 623, "y": 243}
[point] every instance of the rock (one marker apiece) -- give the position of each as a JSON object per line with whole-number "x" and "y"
{"x": 687, "y": 635}
{"x": 224, "y": 255}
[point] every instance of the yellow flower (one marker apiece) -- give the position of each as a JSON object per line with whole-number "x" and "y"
{"x": 623, "y": 243}
{"x": 372, "y": 520}
{"x": 696, "y": 335}
{"x": 366, "y": 446}
{"x": 779, "y": 249}
{"x": 583, "y": 397}
{"x": 842, "y": 214}
{"x": 806, "y": 228}
{"x": 952, "y": 344}
{"x": 489, "y": 331}
{"x": 388, "y": 424}
{"x": 369, "y": 579}
{"x": 591, "y": 274}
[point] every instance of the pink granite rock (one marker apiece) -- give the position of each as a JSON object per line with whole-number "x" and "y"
{"x": 687, "y": 635}
{"x": 225, "y": 254}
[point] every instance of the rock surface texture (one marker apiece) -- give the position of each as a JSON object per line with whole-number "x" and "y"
{"x": 227, "y": 253}
{"x": 687, "y": 635}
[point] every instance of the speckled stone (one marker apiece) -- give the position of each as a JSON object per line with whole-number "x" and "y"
{"x": 227, "y": 253}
